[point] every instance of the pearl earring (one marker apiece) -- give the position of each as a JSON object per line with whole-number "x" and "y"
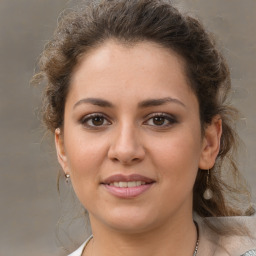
{"x": 208, "y": 194}
{"x": 67, "y": 176}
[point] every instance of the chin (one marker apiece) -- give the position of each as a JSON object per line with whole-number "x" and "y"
{"x": 132, "y": 221}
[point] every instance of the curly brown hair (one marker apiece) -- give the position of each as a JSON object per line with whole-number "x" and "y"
{"x": 133, "y": 21}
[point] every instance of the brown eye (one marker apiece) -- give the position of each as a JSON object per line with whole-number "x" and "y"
{"x": 158, "y": 120}
{"x": 97, "y": 120}
{"x": 161, "y": 120}
{"x": 94, "y": 121}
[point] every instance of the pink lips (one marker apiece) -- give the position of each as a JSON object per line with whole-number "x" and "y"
{"x": 127, "y": 192}
{"x": 126, "y": 178}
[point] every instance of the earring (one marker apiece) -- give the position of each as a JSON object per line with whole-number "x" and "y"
{"x": 67, "y": 176}
{"x": 208, "y": 192}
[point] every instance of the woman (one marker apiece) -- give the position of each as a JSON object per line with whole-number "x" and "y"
{"x": 137, "y": 97}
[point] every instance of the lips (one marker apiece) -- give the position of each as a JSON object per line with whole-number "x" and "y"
{"x": 127, "y": 178}
{"x": 130, "y": 186}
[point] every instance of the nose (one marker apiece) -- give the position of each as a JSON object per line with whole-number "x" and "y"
{"x": 126, "y": 146}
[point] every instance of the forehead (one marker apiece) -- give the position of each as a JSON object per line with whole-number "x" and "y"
{"x": 128, "y": 56}
{"x": 142, "y": 69}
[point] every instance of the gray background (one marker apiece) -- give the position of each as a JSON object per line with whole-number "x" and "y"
{"x": 30, "y": 206}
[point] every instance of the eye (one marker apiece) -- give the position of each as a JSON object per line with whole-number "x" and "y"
{"x": 95, "y": 121}
{"x": 161, "y": 120}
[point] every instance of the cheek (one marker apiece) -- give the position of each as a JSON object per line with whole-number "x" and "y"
{"x": 85, "y": 162}
{"x": 177, "y": 158}
{"x": 83, "y": 151}
{"x": 85, "y": 157}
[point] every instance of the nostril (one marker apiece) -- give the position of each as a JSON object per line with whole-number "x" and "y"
{"x": 129, "y": 161}
{"x": 126, "y": 153}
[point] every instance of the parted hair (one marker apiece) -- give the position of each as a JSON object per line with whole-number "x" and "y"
{"x": 132, "y": 21}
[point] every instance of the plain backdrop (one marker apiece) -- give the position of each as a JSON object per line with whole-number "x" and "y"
{"x": 30, "y": 205}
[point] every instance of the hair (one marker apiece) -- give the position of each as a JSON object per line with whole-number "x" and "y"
{"x": 130, "y": 22}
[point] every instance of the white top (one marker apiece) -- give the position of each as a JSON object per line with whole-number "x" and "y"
{"x": 226, "y": 246}
{"x": 79, "y": 251}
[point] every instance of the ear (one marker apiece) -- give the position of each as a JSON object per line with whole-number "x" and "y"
{"x": 211, "y": 143}
{"x": 59, "y": 144}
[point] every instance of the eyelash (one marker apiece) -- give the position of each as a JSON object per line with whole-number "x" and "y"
{"x": 166, "y": 118}
{"x": 86, "y": 119}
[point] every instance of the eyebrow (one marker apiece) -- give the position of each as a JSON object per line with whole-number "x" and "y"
{"x": 159, "y": 102}
{"x": 143, "y": 104}
{"x": 94, "y": 101}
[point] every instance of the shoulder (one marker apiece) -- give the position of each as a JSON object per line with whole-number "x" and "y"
{"x": 232, "y": 245}
{"x": 250, "y": 253}
{"x": 79, "y": 251}
{"x": 242, "y": 245}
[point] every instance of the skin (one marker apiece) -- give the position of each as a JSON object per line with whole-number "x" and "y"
{"x": 127, "y": 140}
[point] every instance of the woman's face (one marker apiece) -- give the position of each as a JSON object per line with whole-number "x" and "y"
{"x": 132, "y": 141}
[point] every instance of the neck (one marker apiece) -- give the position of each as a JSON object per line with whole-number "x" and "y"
{"x": 175, "y": 238}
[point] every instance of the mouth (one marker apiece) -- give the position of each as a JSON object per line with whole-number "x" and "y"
{"x": 133, "y": 180}
{"x": 129, "y": 186}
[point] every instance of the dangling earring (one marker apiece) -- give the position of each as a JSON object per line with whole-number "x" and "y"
{"x": 208, "y": 192}
{"x": 67, "y": 176}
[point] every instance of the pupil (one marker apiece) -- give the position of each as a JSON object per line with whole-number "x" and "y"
{"x": 159, "y": 120}
{"x": 97, "y": 120}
